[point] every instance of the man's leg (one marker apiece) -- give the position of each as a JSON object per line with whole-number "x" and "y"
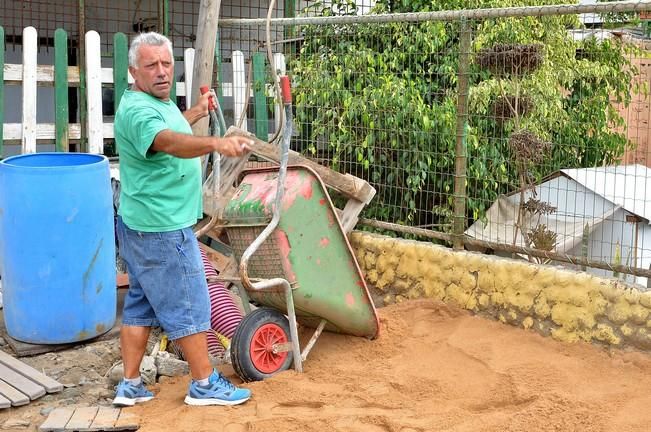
{"x": 195, "y": 351}
{"x": 133, "y": 343}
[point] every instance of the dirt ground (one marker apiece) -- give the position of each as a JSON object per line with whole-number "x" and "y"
{"x": 434, "y": 368}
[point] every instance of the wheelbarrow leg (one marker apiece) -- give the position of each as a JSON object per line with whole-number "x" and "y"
{"x": 313, "y": 339}
{"x": 293, "y": 329}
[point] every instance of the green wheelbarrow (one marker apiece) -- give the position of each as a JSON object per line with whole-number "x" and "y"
{"x": 295, "y": 264}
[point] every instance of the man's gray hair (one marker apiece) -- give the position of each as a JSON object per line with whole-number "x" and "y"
{"x": 152, "y": 39}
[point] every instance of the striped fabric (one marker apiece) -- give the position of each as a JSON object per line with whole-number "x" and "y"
{"x": 225, "y": 315}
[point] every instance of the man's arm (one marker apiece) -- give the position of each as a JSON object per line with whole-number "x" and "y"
{"x": 190, "y": 146}
{"x": 198, "y": 111}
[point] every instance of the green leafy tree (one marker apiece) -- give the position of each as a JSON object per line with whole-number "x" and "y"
{"x": 380, "y": 101}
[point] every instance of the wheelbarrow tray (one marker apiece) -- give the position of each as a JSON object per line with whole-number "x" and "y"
{"x": 308, "y": 248}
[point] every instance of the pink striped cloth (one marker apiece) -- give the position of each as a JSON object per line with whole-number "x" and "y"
{"x": 224, "y": 313}
{"x": 225, "y": 316}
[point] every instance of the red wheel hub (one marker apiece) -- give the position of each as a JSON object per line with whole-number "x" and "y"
{"x": 262, "y": 342}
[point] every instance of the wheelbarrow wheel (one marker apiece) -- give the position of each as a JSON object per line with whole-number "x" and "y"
{"x": 252, "y": 344}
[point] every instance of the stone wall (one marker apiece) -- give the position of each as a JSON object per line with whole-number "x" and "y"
{"x": 568, "y": 305}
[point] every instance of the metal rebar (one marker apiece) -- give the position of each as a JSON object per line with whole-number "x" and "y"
{"x": 455, "y": 15}
{"x": 461, "y": 160}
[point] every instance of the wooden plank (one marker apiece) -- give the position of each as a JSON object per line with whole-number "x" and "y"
{"x": 221, "y": 262}
{"x": 4, "y": 402}
{"x": 30, "y": 52}
{"x": 2, "y": 87}
{"x": 44, "y": 74}
{"x": 202, "y": 71}
{"x": 240, "y": 99}
{"x": 21, "y": 382}
{"x": 50, "y": 385}
{"x": 259, "y": 98}
{"x": 105, "y": 419}
{"x": 14, "y": 396}
{"x": 61, "y": 115}
{"x": 127, "y": 421}
{"x": 57, "y": 420}
{"x": 13, "y": 75}
{"x": 82, "y": 418}
{"x": 46, "y": 131}
{"x": 281, "y": 69}
{"x": 346, "y": 184}
{"x": 350, "y": 214}
{"x": 94, "y": 93}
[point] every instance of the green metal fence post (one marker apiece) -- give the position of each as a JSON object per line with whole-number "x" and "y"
{"x": 61, "y": 115}
{"x": 459, "y": 221}
{"x": 2, "y": 88}
{"x": 259, "y": 97}
{"x": 120, "y": 71}
{"x": 120, "y": 67}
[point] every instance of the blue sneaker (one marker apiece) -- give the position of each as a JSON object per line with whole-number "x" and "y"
{"x": 128, "y": 395}
{"x": 220, "y": 391}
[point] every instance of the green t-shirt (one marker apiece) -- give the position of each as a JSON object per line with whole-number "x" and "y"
{"x": 159, "y": 192}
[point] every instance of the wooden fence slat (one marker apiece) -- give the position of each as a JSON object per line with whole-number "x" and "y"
{"x": 240, "y": 98}
{"x": 94, "y": 92}
{"x": 281, "y": 69}
{"x": 30, "y": 51}
{"x": 2, "y": 86}
{"x": 61, "y": 115}
{"x": 4, "y": 402}
{"x": 188, "y": 64}
{"x": 219, "y": 85}
{"x": 260, "y": 98}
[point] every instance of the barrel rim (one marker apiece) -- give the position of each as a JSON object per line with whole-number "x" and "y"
{"x": 101, "y": 160}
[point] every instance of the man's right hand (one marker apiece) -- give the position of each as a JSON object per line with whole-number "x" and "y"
{"x": 233, "y": 145}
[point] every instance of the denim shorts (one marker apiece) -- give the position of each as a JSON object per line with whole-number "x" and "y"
{"x": 167, "y": 284}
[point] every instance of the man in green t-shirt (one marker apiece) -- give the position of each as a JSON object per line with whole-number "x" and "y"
{"x": 160, "y": 201}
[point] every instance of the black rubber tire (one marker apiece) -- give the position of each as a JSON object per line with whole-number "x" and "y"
{"x": 243, "y": 337}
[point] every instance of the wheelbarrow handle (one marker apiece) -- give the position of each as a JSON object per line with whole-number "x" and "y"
{"x": 211, "y": 102}
{"x": 286, "y": 89}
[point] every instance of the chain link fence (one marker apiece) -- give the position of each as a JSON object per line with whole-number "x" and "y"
{"x": 523, "y": 131}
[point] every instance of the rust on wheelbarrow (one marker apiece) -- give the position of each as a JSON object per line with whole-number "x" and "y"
{"x": 308, "y": 248}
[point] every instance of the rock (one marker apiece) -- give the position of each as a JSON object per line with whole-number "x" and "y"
{"x": 3, "y": 342}
{"x": 171, "y": 367}
{"x": 16, "y": 423}
{"x": 46, "y": 411}
{"x": 71, "y": 392}
{"x": 163, "y": 379}
{"x": 116, "y": 373}
{"x": 148, "y": 371}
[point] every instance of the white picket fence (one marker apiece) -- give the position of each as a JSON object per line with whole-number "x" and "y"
{"x": 30, "y": 75}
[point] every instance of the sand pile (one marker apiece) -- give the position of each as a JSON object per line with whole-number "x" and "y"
{"x": 434, "y": 368}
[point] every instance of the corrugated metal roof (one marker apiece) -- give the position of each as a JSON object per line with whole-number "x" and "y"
{"x": 627, "y": 185}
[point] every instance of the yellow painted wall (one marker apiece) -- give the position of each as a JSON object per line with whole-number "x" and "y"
{"x": 565, "y": 304}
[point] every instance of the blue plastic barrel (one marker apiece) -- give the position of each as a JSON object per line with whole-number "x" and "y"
{"x": 57, "y": 247}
